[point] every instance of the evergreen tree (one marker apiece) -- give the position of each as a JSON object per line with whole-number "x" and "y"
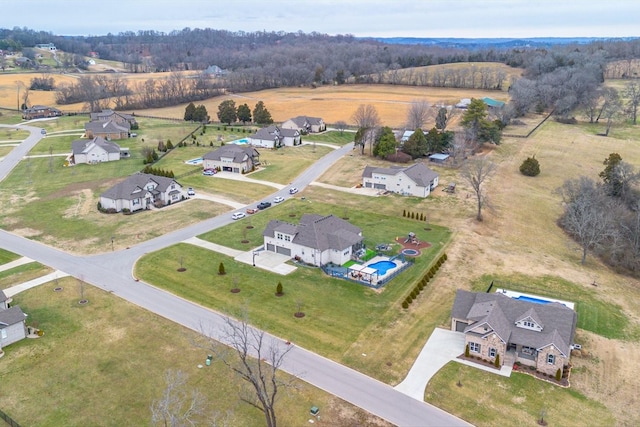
{"x": 496, "y": 362}
{"x": 611, "y": 179}
{"x": 189, "y": 112}
{"x": 200, "y": 114}
{"x": 261, "y": 115}
{"x": 558, "y": 375}
{"x": 530, "y": 167}
{"x": 227, "y": 112}
{"x": 441, "y": 119}
{"x": 244, "y": 114}
{"x": 386, "y": 144}
{"x": 221, "y": 271}
{"x": 279, "y": 289}
{"x": 416, "y": 145}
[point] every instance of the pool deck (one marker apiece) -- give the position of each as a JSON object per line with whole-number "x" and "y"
{"x": 379, "y": 258}
{"x": 514, "y": 294}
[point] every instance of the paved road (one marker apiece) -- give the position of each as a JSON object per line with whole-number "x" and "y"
{"x": 113, "y": 272}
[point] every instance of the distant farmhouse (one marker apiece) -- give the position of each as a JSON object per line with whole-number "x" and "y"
{"x": 141, "y": 191}
{"x": 48, "y": 46}
{"x": 232, "y": 158}
{"x": 95, "y": 150}
{"x": 275, "y": 137}
{"x": 12, "y": 322}
{"x": 40, "y": 112}
{"x": 416, "y": 180}
{"x": 537, "y": 335}
{"x": 317, "y": 240}
{"x": 305, "y": 124}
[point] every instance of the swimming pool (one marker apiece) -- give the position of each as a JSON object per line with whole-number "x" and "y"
{"x": 197, "y": 161}
{"x": 241, "y": 141}
{"x": 383, "y": 266}
{"x": 532, "y": 299}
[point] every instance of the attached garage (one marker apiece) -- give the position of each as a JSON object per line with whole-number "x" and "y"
{"x": 460, "y": 326}
{"x": 283, "y": 251}
{"x": 270, "y": 247}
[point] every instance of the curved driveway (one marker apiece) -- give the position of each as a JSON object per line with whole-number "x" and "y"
{"x": 113, "y": 272}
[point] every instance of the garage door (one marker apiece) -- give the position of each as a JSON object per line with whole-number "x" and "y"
{"x": 283, "y": 251}
{"x": 380, "y": 186}
{"x": 270, "y": 247}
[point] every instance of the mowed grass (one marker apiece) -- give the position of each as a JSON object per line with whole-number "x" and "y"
{"x": 486, "y": 399}
{"x": 22, "y": 273}
{"x": 331, "y": 137}
{"x": 285, "y": 164}
{"x": 341, "y": 317}
{"x": 6, "y": 256}
{"x": 594, "y": 314}
{"x": 103, "y": 363}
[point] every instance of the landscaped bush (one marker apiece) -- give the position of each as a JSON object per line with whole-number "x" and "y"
{"x": 221, "y": 271}
{"x": 530, "y": 167}
{"x": 405, "y": 304}
{"x": 496, "y": 362}
{"x": 466, "y": 351}
{"x": 558, "y": 375}
{"x": 279, "y": 289}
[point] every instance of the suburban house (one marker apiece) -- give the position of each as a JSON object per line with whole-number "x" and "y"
{"x": 416, "y": 180}
{"x": 107, "y": 130}
{"x": 538, "y": 335}
{"x": 305, "y": 124}
{"x": 113, "y": 116}
{"x": 275, "y": 137}
{"x": 142, "y": 191}
{"x": 94, "y": 150}
{"x": 12, "y": 322}
{"x": 406, "y": 135}
{"x": 317, "y": 240}
{"x": 232, "y": 158}
{"x": 48, "y": 46}
{"x": 40, "y": 112}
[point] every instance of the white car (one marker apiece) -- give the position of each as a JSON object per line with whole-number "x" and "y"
{"x": 293, "y": 190}
{"x": 238, "y": 215}
{"x": 278, "y": 199}
{"x": 190, "y": 192}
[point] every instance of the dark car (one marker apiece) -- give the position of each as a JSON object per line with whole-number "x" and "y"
{"x": 264, "y": 205}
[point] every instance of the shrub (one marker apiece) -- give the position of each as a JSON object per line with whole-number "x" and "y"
{"x": 466, "y": 351}
{"x": 496, "y": 362}
{"x": 405, "y": 304}
{"x": 558, "y": 375}
{"x": 221, "y": 271}
{"x": 404, "y": 213}
{"x": 413, "y": 294}
{"x": 530, "y": 167}
{"x": 420, "y": 286}
{"x": 409, "y": 299}
{"x": 279, "y": 288}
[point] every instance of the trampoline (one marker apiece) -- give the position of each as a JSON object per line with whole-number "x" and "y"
{"x": 410, "y": 252}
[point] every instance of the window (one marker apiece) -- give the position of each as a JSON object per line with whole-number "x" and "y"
{"x": 4, "y": 334}
{"x": 474, "y": 347}
{"x": 528, "y": 324}
{"x": 492, "y": 352}
{"x": 528, "y": 350}
{"x": 551, "y": 359}
{"x": 136, "y": 202}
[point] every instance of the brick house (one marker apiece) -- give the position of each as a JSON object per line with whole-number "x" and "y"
{"x": 538, "y": 335}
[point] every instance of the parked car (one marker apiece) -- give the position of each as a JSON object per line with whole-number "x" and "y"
{"x": 43, "y": 131}
{"x": 252, "y": 210}
{"x": 238, "y": 215}
{"x": 278, "y": 199}
{"x": 209, "y": 172}
{"x": 133, "y": 135}
{"x": 191, "y": 192}
{"x": 264, "y": 205}
{"x": 293, "y": 190}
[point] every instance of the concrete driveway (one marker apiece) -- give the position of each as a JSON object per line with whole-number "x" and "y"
{"x": 442, "y": 346}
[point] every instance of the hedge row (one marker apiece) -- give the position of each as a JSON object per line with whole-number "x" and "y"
{"x": 424, "y": 281}
{"x": 413, "y": 215}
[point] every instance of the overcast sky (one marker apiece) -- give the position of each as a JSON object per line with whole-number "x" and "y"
{"x": 362, "y": 18}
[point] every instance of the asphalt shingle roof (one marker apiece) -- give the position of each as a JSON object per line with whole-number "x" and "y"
{"x": 318, "y": 232}
{"x": 134, "y": 187}
{"x": 80, "y": 146}
{"x": 239, "y": 153}
{"x": 11, "y": 316}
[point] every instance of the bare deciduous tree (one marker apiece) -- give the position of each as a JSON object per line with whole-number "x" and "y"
{"x": 476, "y": 171}
{"x": 341, "y": 125}
{"x": 632, "y": 93}
{"x": 584, "y": 217}
{"x": 180, "y": 406}
{"x": 367, "y": 119}
{"x": 256, "y": 358}
{"x": 417, "y": 114}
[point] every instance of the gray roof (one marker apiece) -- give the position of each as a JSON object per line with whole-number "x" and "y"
{"x": 303, "y": 121}
{"x": 318, "y": 232}
{"x": 11, "y": 316}
{"x": 239, "y": 153}
{"x": 273, "y": 133}
{"x": 81, "y": 146}
{"x": 134, "y": 187}
{"x": 108, "y": 113}
{"x": 3, "y": 296}
{"x": 501, "y": 313}
{"x": 418, "y": 173}
{"x": 107, "y": 127}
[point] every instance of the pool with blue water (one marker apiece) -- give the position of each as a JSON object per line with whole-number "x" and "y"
{"x": 383, "y": 266}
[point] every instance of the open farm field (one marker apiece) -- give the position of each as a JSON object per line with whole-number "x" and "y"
{"x": 476, "y": 72}
{"x": 104, "y": 363}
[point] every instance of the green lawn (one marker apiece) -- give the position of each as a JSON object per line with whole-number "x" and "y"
{"x": 330, "y": 137}
{"x": 487, "y": 399}
{"x": 340, "y": 316}
{"x": 285, "y": 164}
{"x": 104, "y": 363}
{"x": 6, "y": 256}
{"x": 594, "y": 314}
{"x": 22, "y": 273}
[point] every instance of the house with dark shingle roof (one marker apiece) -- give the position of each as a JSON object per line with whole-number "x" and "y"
{"x": 114, "y": 116}
{"x": 12, "y": 322}
{"x": 232, "y": 158}
{"x": 108, "y": 130}
{"x": 416, "y": 180}
{"x": 142, "y": 191}
{"x": 94, "y": 150}
{"x": 538, "y": 335}
{"x": 275, "y": 137}
{"x": 305, "y": 124}
{"x": 40, "y": 112}
{"x": 317, "y": 240}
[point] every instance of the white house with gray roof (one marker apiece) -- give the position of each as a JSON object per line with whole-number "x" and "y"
{"x": 232, "y": 158}
{"x": 108, "y": 130}
{"x": 94, "y": 150}
{"x": 317, "y": 240}
{"x": 142, "y": 191}
{"x": 538, "y": 335}
{"x": 275, "y": 137}
{"x": 416, "y": 180}
{"x": 305, "y": 124}
{"x": 12, "y": 322}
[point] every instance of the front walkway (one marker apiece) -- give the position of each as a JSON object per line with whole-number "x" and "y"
{"x": 13, "y": 290}
{"x": 353, "y": 190}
